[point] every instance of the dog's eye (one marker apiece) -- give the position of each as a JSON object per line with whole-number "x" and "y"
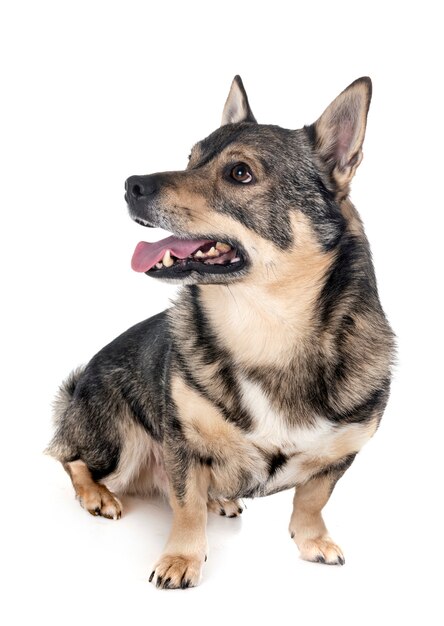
{"x": 241, "y": 173}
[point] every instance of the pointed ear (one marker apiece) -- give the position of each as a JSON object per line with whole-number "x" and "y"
{"x": 236, "y": 107}
{"x": 338, "y": 134}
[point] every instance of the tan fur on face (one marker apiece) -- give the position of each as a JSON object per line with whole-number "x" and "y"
{"x": 185, "y": 200}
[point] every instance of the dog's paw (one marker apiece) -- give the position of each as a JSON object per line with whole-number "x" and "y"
{"x": 175, "y": 571}
{"x": 100, "y": 501}
{"x": 321, "y": 550}
{"x": 228, "y": 508}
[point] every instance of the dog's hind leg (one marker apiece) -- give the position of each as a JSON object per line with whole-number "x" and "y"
{"x": 93, "y": 496}
{"x": 307, "y": 527}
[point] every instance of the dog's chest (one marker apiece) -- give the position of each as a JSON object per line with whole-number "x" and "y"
{"x": 273, "y": 431}
{"x": 293, "y": 453}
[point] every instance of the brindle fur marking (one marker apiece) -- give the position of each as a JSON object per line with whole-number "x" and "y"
{"x": 269, "y": 377}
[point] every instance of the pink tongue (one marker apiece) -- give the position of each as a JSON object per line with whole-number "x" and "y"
{"x": 146, "y": 255}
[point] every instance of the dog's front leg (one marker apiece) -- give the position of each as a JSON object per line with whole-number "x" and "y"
{"x": 307, "y": 526}
{"x": 181, "y": 563}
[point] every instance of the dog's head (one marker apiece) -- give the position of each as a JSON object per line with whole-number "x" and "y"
{"x": 252, "y": 194}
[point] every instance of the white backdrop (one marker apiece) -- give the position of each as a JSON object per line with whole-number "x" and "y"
{"x": 96, "y": 91}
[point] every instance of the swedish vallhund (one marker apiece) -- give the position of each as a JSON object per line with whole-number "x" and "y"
{"x": 271, "y": 370}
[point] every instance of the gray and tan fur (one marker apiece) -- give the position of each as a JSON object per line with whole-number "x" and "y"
{"x": 270, "y": 376}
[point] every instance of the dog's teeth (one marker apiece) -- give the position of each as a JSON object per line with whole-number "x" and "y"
{"x": 167, "y": 260}
{"x": 235, "y": 260}
{"x": 212, "y": 252}
{"x": 223, "y": 247}
{"x": 159, "y": 266}
{"x": 199, "y": 254}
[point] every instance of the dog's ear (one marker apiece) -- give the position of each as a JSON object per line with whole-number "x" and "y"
{"x": 338, "y": 134}
{"x": 237, "y": 108}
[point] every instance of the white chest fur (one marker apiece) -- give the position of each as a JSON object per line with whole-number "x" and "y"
{"x": 323, "y": 442}
{"x": 271, "y": 430}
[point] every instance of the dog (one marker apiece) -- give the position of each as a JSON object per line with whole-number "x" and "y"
{"x": 271, "y": 370}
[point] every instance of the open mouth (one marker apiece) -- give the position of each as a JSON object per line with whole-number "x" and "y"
{"x": 175, "y": 258}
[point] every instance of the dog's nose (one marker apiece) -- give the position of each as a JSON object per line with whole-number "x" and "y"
{"x": 138, "y": 187}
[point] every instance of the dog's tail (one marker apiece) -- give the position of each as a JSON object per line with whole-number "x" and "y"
{"x": 65, "y": 394}
{"x": 59, "y": 448}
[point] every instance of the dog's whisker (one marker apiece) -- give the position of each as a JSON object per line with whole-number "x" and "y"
{"x": 235, "y": 301}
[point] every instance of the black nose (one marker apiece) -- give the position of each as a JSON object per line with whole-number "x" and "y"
{"x": 138, "y": 187}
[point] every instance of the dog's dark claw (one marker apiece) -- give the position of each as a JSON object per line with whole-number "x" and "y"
{"x": 233, "y": 515}
{"x": 292, "y": 535}
{"x": 222, "y": 512}
{"x": 240, "y": 510}
{"x": 206, "y": 558}
{"x": 320, "y": 559}
{"x": 341, "y": 560}
{"x": 159, "y": 581}
{"x": 185, "y": 582}
{"x": 166, "y": 584}
{"x": 151, "y": 577}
